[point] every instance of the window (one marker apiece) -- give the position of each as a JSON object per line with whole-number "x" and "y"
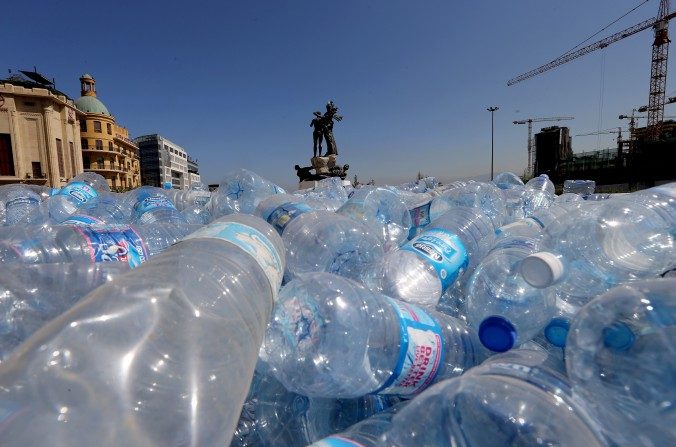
{"x": 73, "y": 166}
{"x": 110, "y": 146}
{"x": 37, "y": 169}
{"x": 59, "y": 156}
{"x": 84, "y": 143}
{"x": 6, "y": 157}
{"x": 97, "y": 126}
{"x": 99, "y": 145}
{"x": 99, "y": 162}
{"x": 83, "y": 126}
{"x": 109, "y": 128}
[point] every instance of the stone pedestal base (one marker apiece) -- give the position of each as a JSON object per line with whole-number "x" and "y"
{"x": 323, "y": 165}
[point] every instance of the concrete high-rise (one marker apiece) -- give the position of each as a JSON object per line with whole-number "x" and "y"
{"x": 165, "y": 162}
{"x": 552, "y": 146}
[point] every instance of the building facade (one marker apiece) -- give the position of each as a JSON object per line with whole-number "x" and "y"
{"x": 553, "y": 145}
{"x": 193, "y": 171}
{"x": 165, "y": 162}
{"x": 106, "y": 146}
{"x": 39, "y": 133}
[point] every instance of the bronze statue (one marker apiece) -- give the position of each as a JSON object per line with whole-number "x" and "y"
{"x": 318, "y": 124}
{"x": 329, "y": 116}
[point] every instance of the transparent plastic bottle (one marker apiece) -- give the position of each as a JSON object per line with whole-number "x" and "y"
{"x": 421, "y": 270}
{"x": 329, "y": 194}
{"x": 479, "y": 410}
{"x": 539, "y": 193}
{"x": 103, "y": 210}
{"x": 149, "y": 204}
{"x": 486, "y": 197}
{"x": 620, "y": 357}
{"x": 503, "y": 308}
{"x": 18, "y": 202}
{"x": 81, "y": 189}
{"x": 581, "y": 187}
{"x": 331, "y": 337}
{"x": 273, "y": 416}
{"x": 507, "y": 180}
{"x": 129, "y": 365}
{"x": 240, "y": 191}
{"x": 383, "y": 211}
{"x": 323, "y": 241}
{"x": 278, "y": 210}
{"x": 89, "y": 243}
{"x": 34, "y": 294}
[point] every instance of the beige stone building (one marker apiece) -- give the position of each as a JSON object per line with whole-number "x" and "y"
{"x": 106, "y": 146}
{"x": 39, "y": 133}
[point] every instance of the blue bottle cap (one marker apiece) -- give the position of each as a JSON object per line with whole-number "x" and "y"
{"x": 618, "y": 337}
{"x": 497, "y": 334}
{"x": 556, "y": 331}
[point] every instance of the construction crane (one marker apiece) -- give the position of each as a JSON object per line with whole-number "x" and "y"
{"x": 531, "y": 158}
{"x": 658, "y": 67}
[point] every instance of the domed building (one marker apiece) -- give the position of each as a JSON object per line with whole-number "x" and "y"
{"x": 106, "y": 146}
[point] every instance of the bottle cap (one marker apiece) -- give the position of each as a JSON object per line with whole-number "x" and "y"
{"x": 497, "y": 334}
{"x": 541, "y": 269}
{"x": 618, "y": 337}
{"x": 556, "y": 331}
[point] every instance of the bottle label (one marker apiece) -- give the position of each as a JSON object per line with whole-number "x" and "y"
{"x": 286, "y": 212}
{"x": 251, "y": 241}
{"x": 420, "y": 218}
{"x": 21, "y": 201}
{"x": 152, "y": 202}
{"x": 443, "y": 250}
{"x": 114, "y": 243}
{"x": 336, "y": 441}
{"x": 79, "y": 219}
{"x": 80, "y": 191}
{"x": 421, "y": 351}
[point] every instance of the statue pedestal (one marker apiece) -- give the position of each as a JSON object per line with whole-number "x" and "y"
{"x": 323, "y": 165}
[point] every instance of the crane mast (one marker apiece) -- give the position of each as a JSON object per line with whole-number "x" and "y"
{"x": 658, "y": 73}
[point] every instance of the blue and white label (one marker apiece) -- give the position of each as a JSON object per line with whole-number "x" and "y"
{"x": 80, "y": 191}
{"x": 118, "y": 243}
{"x": 443, "y": 250}
{"x": 21, "y": 201}
{"x": 420, "y": 218}
{"x": 251, "y": 241}
{"x": 285, "y": 213}
{"x": 79, "y": 219}
{"x": 336, "y": 441}
{"x": 153, "y": 202}
{"x": 421, "y": 351}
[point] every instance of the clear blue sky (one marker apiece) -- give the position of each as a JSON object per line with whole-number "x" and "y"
{"x": 235, "y": 83}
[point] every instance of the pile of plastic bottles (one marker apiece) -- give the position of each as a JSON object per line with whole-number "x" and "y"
{"x": 467, "y": 314}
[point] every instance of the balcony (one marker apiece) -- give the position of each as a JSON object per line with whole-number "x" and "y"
{"x": 109, "y": 167}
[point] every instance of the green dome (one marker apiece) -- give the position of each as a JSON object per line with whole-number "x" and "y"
{"x": 90, "y": 104}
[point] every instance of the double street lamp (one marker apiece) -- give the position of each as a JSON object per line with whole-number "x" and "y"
{"x": 492, "y": 110}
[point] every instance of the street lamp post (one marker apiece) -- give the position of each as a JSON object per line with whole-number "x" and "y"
{"x": 492, "y": 110}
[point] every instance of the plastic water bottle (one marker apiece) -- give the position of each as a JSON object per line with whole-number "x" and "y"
{"x": 503, "y": 308}
{"x": 568, "y": 198}
{"x": 329, "y": 194}
{"x": 240, "y": 191}
{"x": 101, "y": 211}
{"x": 366, "y": 433}
{"x": 278, "y": 210}
{"x": 620, "y": 357}
{"x": 514, "y": 204}
{"x": 322, "y": 241}
{"x": 18, "y": 202}
{"x": 148, "y": 204}
{"x": 421, "y": 270}
{"x": 477, "y": 410}
{"x": 89, "y": 243}
{"x": 331, "y": 337}
{"x": 81, "y": 189}
{"x": 484, "y": 196}
{"x": 34, "y": 294}
{"x": 198, "y": 194}
{"x": 581, "y": 187}
{"x": 382, "y": 211}
{"x": 540, "y": 193}
{"x": 418, "y": 205}
{"x": 273, "y": 416}
{"x": 133, "y": 352}
{"x": 507, "y": 180}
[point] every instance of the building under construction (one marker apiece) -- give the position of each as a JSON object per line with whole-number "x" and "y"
{"x": 635, "y": 162}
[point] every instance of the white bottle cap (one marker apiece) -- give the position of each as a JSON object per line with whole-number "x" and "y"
{"x": 541, "y": 269}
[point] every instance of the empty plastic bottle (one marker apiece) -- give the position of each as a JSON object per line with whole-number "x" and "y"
{"x": 331, "y": 337}
{"x": 581, "y": 187}
{"x": 329, "y": 194}
{"x": 148, "y": 204}
{"x": 89, "y": 243}
{"x": 103, "y": 210}
{"x": 81, "y": 189}
{"x": 18, "y": 202}
{"x": 484, "y": 196}
{"x": 539, "y": 193}
{"x": 278, "y": 210}
{"x": 129, "y": 365}
{"x": 241, "y": 191}
{"x": 383, "y": 211}
{"x": 273, "y": 416}
{"x": 322, "y": 241}
{"x": 621, "y": 358}
{"x": 479, "y": 410}
{"x": 31, "y": 295}
{"x": 421, "y": 270}
{"x": 503, "y": 308}
{"x": 507, "y": 180}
